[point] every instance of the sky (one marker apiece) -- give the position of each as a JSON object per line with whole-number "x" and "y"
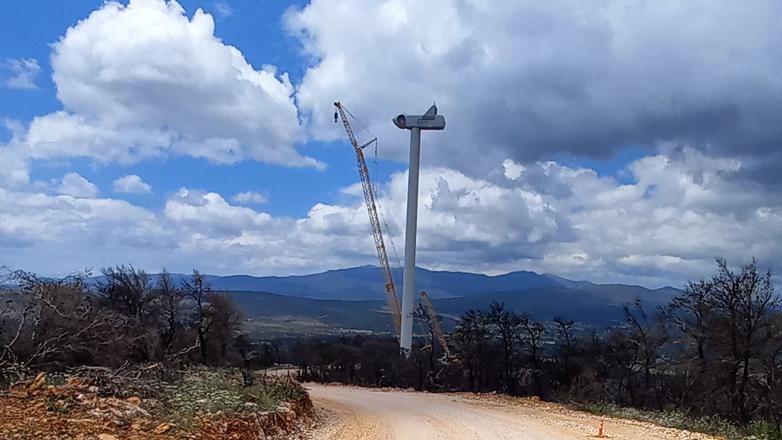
{"x": 611, "y": 141}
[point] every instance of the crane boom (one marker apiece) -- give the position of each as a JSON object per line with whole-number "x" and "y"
{"x": 369, "y": 198}
{"x": 435, "y": 324}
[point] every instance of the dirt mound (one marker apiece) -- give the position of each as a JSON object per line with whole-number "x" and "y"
{"x": 87, "y": 408}
{"x": 285, "y": 422}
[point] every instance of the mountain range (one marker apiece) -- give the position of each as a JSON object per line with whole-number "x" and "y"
{"x": 365, "y": 283}
{"x": 355, "y": 298}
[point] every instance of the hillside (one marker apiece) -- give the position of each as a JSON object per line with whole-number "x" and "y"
{"x": 593, "y": 304}
{"x": 365, "y": 283}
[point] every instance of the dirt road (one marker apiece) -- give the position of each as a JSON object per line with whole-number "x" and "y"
{"x": 358, "y": 413}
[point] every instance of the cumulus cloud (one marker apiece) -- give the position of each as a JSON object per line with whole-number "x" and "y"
{"x": 73, "y": 184}
{"x": 19, "y": 73}
{"x": 59, "y": 234}
{"x": 209, "y": 211}
{"x": 528, "y": 80}
{"x": 15, "y": 170}
{"x": 250, "y": 197}
{"x": 145, "y": 80}
{"x": 51, "y": 220}
{"x": 512, "y": 170}
{"x": 131, "y": 184}
{"x": 662, "y": 224}
{"x": 663, "y": 227}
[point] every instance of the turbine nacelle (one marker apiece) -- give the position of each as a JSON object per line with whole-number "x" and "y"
{"x": 428, "y": 121}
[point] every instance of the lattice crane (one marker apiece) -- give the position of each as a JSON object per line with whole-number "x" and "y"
{"x": 374, "y": 220}
{"x": 438, "y": 330}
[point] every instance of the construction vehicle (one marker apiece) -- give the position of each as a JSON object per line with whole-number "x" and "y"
{"x": 374, "y": 220}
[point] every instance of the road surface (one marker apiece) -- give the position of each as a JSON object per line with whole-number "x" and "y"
{"x": 349, "y": 413}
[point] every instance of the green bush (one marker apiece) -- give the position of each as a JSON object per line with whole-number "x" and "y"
{"x": 671, "y": 418}
{"x": 213, "y": 392}
{"x": 763, "y": 431}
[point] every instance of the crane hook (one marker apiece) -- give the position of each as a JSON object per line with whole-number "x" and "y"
{"x": 336, "y": 116}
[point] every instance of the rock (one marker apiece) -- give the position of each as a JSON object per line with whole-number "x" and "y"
{"x": 37, "y": 383}
{"x": 107, "y": 437}
{"x": 162, "y": 428}
{"x": 135, "y": 400}
{"x": 77, "y": 382}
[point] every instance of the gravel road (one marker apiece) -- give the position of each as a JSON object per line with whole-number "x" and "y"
{"x": 349, "y": 413}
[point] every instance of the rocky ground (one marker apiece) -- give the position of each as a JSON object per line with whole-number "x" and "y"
{"x": 200, "y": 404}
{"x": 225, "y": 404}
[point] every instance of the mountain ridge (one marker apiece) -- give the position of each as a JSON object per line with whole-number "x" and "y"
{"x": 365, "y": 283}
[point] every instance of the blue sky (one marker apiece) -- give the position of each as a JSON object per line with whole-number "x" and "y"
{"x": 574, "y": 134}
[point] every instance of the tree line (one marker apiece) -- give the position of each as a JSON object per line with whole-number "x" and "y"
{"x": 123, "y": 316}
{"x": 715, "y": 350}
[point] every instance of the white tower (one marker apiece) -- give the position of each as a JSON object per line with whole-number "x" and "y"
{"x": 415, "y": 123}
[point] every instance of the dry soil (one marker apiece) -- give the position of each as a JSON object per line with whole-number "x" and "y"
{"x": 349, "y": 413}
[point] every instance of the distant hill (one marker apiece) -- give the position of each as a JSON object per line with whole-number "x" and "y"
{"x": 366, "y": 283}
{"x": 589, "y": 303}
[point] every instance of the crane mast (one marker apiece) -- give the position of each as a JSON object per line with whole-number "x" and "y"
{"x": 369, "y": 198}
{"x": 438, "y": 330}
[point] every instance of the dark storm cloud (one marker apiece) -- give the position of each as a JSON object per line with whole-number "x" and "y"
{"x": 531, "y": 80}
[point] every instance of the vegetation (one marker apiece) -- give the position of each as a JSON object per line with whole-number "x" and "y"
{"x": 125, "y": 318}
{"x": 711, "y": 360}
{"x": 203, "y": 391}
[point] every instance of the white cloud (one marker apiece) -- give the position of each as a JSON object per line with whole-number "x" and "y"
{"x": 131, "y": 184}
{"x": 73, "y": 184}
{"x": 512, "y": 170}
{"x": 144, "y": 80}
{"x": 56, "y": 235}
{"x": 19, "y": 73}
{"x": 15, "y": 170}
{"x": 35, "y": 218}
{"x": 552, "y": 218}
{"x": 223, "y": 9}
{"x": 250, "y": 197}
{"x": 211, "y": 211}
{"x": 353, "y": 190}
{"x": 663, "y": 225}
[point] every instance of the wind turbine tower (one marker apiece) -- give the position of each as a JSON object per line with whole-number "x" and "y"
{"x": 415, "y": 123}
